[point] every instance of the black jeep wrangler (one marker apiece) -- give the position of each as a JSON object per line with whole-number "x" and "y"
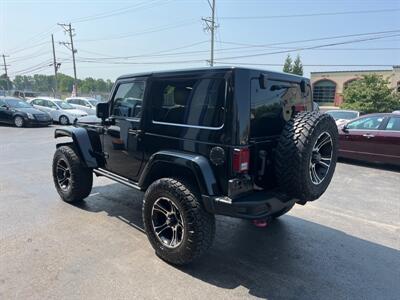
{"x": 228, "y": 141}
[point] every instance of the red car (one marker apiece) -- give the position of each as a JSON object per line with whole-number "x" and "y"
{"x": 372, "y": 138}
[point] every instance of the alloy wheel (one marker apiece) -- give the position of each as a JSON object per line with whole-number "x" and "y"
{"x": 63, "y": 175}
{"x": 63, "y": 120}
{"x": 18, "y": 121}
{"x": 167, "y": 222}
{"x": 321, "y": 158}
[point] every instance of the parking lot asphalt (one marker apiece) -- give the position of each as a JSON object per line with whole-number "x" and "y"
{"x": 343, "y": 246}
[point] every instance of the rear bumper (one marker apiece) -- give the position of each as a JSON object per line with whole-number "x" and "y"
{"x": 254, "y": 206}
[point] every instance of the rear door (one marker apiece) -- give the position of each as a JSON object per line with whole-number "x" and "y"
{"x": 362, "y": 138}
{"x": 390, "y": 140}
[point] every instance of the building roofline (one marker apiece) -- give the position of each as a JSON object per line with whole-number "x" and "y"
{"x": 352, "y": 71}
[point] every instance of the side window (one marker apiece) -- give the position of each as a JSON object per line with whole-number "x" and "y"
{"x": 367, "y": 123}
{"x": 196, "y": 102}
{"x": 50, "y": 104}
{"x": 37, "y": 102}
{"x": 393, "y": 124}
{"x": 128, "y": 99}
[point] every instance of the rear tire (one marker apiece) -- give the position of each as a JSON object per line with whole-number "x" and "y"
{"x": 72, "y": 179}
{"x": 177, "y": 226}
{"x": 306, "y": 155}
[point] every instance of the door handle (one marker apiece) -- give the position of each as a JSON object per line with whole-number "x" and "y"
{"x": 368, "y": 135}
{"x": 134, "y": 131}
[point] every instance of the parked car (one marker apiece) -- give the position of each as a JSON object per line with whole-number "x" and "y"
{"x": 212, "y": 141}
{"x": 372, "y": 138}
{"x": 59, "y": 110}
{"x": 84, "y": 103}
{"x": 18, "y": 112}
{"x": 343, "y": 116}
{"x": 91, "y": 119}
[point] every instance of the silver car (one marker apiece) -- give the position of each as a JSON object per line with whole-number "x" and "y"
{"x": 343, "y": 116}
{"x": 60, "y": 111}
{"x": 84, "y": 103}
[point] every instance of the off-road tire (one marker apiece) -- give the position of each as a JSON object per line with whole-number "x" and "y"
{"x": 65, "y": 118}
{"x": 81, "y": 181}
{"x": 294, "y": 151}
{"x": 199, "y": 224}
{"x": 19, "y": 121}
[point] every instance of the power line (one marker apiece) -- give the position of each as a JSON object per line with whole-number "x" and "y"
{"x": 163, "y": 54}
{"x": 307, "y": 65}
{"x": 310, "y": 47}
{"x": 151, "y": 30}
{"x": 310, "y": 15}
{"x": 120, "y": 11}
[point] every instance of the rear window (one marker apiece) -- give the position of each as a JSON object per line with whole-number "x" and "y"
{"x": 267, "y": 116}
{"x": 194, "y": 102}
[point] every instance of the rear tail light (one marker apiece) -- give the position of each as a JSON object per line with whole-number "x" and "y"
{"x": 241, "y": 160}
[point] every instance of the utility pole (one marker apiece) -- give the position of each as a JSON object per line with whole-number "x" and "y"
{"x": 68, "y": 29}
{"x": 5, "y": 69}
{"x": 56, "y": 66}
{"x": 211, "y": 26}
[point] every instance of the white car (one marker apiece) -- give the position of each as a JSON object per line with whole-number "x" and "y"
{"x": 84, "y": 103}
{"x": 342, "y": 116}
{"x": 59, "y": 110}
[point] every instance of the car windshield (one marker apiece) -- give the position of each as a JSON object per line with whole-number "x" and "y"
{"x": 93, "y": 102}
{"x": 15, "y": 103}
{"x": 63, "y": 104}
{"x": 346, "y": 115}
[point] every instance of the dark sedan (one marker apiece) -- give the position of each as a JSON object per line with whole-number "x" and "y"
{"x": 372, "y": 138}
{"x": 18, "y": 112}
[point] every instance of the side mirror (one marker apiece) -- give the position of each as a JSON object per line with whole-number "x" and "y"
{"x": 4, "y": 106}
{"x": 345, "y": 128}
{"x": 103, "y": 110}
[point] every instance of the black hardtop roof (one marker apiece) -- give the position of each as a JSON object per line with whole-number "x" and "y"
{"x": 276, "y": 74}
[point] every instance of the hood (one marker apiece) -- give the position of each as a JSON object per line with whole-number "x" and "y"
{"x": 30, "y": 110}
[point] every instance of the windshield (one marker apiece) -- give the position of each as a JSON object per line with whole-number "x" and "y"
{"x": 18, "y": 103}
{"x": 93, "y": 102}
{"x": 346, "y": 115}
{"x": 63, "y": 104}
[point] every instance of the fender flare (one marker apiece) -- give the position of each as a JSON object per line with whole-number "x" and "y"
{"x": 198, "y": 165}
{"x": 81, "y": 142}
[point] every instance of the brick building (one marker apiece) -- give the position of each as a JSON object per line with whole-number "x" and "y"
{"x": 328, "y": 87}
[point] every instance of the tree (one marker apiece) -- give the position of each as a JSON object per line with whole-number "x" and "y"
{"x": 5, "y": 82}
{"x": 287, "y": 67}
{"x": 297, "y": 66}
{"x": 371, "y": 94}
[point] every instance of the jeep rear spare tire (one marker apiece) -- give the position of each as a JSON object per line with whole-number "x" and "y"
{"x": 176, "y": 224}
{"x": 306, "y": 154}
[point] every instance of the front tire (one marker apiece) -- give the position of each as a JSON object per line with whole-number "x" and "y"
{"x": 177, "y": 226}
{"x": 19, "y": 121}
{"x": 72, "y": 179}
{"x": 63, "y": 120}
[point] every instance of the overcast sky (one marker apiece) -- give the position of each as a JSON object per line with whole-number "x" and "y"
{"x": 168, "y": 34}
